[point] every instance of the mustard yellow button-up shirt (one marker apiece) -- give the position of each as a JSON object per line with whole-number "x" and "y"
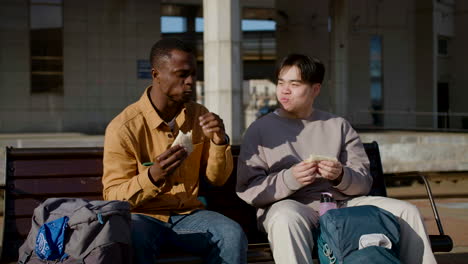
{"x": 138, "y": 135}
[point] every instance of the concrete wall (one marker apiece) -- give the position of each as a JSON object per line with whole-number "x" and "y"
{"x": 394, "y": 22}
{"x": 459, "y": 94}
{"x": 102, "y": 42}
{"x": 425, "y": 63}
{"x": 420, "y": 151}
{"x": 15, "y": 101}
{"x": 360, "y": 30}
{"x": 398, "y": 59}
{"x": 303, "y": 27}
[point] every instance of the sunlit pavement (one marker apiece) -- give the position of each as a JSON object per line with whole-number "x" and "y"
{"x": 454, "y": 215}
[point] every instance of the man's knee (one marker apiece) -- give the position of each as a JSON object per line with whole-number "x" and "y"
{"x": 286, "y": 214}
{"x": 405, "y": 209}
{"x": 227, "y": 232}
{"x": 234, "y": 232}
{"x": 146, "y": 232}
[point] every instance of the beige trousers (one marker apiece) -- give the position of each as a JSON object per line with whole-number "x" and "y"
{"x": 289, "y": 226}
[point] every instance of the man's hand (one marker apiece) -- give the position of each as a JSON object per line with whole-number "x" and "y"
{"x": 331, "y": 170}
{"x": 305, "y": 172}
{"x": 213, "y": 128}
{"x": 167, "y": 162}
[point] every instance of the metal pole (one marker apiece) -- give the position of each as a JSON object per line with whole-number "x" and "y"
{"x": 433, "y": 205}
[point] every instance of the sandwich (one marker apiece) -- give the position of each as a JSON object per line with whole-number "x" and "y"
{"x": 314, "y": 157}
{"x": 185, "y": 140}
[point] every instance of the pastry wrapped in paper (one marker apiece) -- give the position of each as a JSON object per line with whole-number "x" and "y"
{"x": 185, "y": 140}
{"x": 314, "y": 157}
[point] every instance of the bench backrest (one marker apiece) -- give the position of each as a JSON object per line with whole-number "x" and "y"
{"x": 35, "y": 174}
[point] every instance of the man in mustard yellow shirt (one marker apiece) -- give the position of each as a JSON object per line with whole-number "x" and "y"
{"x": 161, "y": 181}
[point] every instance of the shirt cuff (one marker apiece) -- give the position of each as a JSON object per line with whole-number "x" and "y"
{"x": 345, "y": 180}
{"x": 218, "y": 150}
{"x": 146, "y": 182}
{"x": 291, "y": 182}
{"x": 227, "y": 141}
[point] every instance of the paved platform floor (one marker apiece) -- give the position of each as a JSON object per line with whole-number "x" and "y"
{"x": 454, "y": 215}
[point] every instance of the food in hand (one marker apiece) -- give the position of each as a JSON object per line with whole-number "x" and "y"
{"x": 185, "y": 140}
{"x": 314, "y": 157}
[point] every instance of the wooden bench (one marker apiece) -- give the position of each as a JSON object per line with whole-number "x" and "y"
{"x": 34, "y": 174}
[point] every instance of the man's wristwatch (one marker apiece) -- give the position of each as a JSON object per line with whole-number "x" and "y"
{"x": 227, "y": 140}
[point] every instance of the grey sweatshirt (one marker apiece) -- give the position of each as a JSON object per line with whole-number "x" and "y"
{"x": 273, "y": 144}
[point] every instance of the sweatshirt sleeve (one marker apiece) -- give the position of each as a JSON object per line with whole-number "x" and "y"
{"x": 357, "y": 179}
{"x": 254, "y": 185}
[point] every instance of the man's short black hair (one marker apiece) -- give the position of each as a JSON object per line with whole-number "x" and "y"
{"x": 162, "y": 50}
{"x": 312, "y": 69}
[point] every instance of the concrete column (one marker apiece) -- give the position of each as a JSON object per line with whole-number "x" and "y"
{"x": 222, "y": 63}
{"x": 339, "y": 55}
{"x": 425, "y": 62}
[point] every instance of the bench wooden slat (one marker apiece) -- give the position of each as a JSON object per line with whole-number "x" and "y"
{"x": 10, "y": 250}
{"x": 56, "y": 168}
{"x": 63, "y": 153}
{"x": 53, "y": 187}
{"x": 22, "y": 207}
{"x": 18, "y": 227}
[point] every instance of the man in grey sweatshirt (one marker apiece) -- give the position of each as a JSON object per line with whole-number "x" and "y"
{"x": 274, "y": 175}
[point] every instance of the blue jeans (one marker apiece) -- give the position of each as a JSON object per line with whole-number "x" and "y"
{"x": 214, "y": 237}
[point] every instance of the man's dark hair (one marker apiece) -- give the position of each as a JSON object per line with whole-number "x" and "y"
{"x": 162, "y": 50}
{"x": 312, "y": 69}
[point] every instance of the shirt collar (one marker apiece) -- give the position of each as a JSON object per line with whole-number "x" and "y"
{"x": 152, "y": 116}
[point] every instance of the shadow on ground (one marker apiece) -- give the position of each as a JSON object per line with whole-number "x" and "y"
{"x": 452, "y": 258}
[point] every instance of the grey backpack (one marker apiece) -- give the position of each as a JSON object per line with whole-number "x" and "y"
{"x": 72, "y": 230}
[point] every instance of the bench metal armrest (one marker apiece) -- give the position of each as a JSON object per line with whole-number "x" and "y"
{"x": 441, "y": 242}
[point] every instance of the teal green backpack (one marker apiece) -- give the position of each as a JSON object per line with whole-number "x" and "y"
{"x": 342, "y": 230}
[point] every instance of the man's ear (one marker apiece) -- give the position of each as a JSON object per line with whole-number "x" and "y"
{"x": 154, "y": 73}
{"x": 316, "y": 88}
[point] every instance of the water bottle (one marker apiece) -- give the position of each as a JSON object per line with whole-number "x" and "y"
{"x": 326, "y": 203}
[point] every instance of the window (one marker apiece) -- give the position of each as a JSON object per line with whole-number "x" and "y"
{"x": 46, "y": 42}
{"x": 443, "y": 46}
{"x": 199, "y": 24}
{"x": 376, "y": 78}
{"x": 173, "y": 24}
{"x": 443, "y": 108}
{"x": 258, "y": 25}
